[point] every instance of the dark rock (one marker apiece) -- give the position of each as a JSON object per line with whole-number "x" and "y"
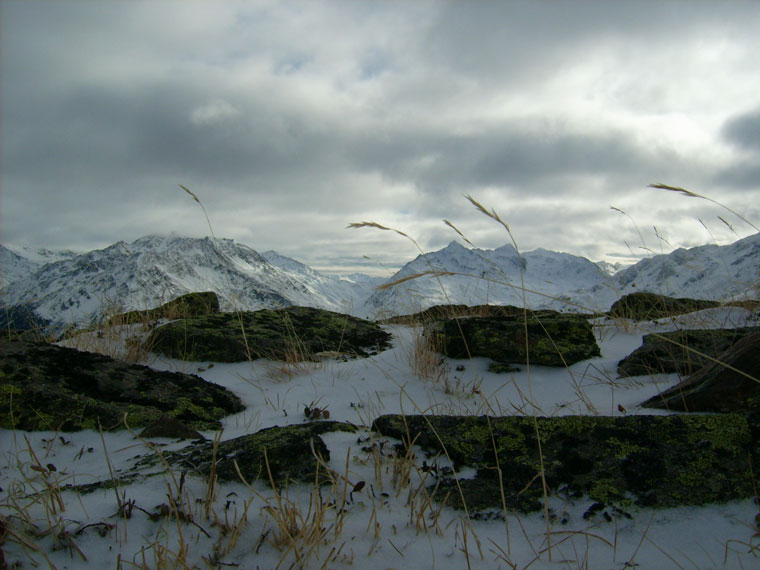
{"x": 23, "y": 318}
{"x": 293, "y": 334}
{"x": 552, "y": 340}
{"x": 730, "y": 385}
{"x": 190, "y": 305}
{"x": 661, "y": 461}
{"x": 167, "y": 426}
{"x": 48, "y": 387}
{"x": 683, "y": 352}
{"x": 288, "y": 453}
{"x": 647, "y": 306}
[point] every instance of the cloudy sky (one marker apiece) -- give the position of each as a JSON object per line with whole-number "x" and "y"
{"x": 290, "y": 120}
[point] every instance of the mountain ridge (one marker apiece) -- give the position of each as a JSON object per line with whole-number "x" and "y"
{"x": 77, "y": 288}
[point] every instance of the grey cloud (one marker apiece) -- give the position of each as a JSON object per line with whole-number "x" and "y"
{"x": 327, "y": 113}
{"x": 744, "y": 130}
{"x": 530, "y": 156}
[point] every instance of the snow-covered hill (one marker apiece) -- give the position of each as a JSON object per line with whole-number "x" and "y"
{"x": 155, "y": 269}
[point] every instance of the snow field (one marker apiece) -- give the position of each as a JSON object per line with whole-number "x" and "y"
{"x": 389, "y": 521}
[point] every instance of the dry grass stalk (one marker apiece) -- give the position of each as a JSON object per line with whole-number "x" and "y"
{"x": 691, "y": 194}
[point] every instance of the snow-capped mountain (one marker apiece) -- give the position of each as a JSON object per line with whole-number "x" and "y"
{"x": 703, "y": 272}
{"x": 19, "y": 262}
{"x": 610, "y": 268}
{"x": 567, "y": 282}
{"x": 346, "y": 292}
{"x": 482, "y": 276}
{"x": 155, "y": 269}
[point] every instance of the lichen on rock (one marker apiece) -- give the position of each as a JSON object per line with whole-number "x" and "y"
{"x": 48, "y": 387}
{"x": 188, "y": 305}
{"x": 548, "y": 340}
{"x": 659, "y": 461}
{"x": 293, "y": 334}
{"x": 642, "y": 306}
{"x": 278, "y": 454}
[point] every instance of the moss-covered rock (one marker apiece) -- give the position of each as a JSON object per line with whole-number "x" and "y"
{"x": 48, "y": 387}
{"x": 190, "y": 305}
{"x": 729, "y": 384}
{"x": 647, "y": 306}
{"x": 293, "y": 333}
{"x": 683, "y": 352}
{"x": 290, "y": 452}
{"x": 442, "y": 312}
{"x": 552, "y": 340}
{"x": 658, "y": 461}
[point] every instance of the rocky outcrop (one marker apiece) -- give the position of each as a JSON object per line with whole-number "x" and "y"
{"x": 276, "y": 455}
{"x": 731, "y": 383}
{"x": 683, "y": 352}
{"x": 293, "y": 333}
{"x": 547, "y": 339}
{"x": 648, "y": 306}
{"x": 190, "y": 305}
{"x": 48, "y": 387}
{"x": 658, "y": 461}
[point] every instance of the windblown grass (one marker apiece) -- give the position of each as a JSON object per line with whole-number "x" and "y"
{"x": 202, "y": 523}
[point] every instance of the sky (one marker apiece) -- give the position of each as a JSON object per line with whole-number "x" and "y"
{"x": 290, "y": 120}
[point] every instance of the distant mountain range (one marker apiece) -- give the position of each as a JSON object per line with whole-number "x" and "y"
{"x": 57, "y": 289}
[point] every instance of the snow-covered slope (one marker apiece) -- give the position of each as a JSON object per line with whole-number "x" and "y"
{"x": 704, "y": 272}
{"x": 490, "y": 277}
{"x": 348, "y": 293}
{"x": 567, "y": 282}
{"x": 19, "y": 262}
{"x": 155, "y": 269}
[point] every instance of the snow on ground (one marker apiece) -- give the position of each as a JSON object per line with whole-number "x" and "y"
{"x": 389, "y": 523}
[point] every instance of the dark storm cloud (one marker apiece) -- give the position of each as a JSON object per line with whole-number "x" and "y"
{"x": 528, "y": 155}
{"x": 327, "y": 113}
{"x": 744, "y": 130}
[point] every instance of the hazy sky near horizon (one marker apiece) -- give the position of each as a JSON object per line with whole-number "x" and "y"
{"x": 290, "y": 120}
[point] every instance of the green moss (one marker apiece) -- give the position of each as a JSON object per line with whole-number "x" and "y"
{"x": 47, "y": 387}
{"x": 549, "y": 340}
{"x": 292, "y": 334}
{"x": 605, "y": 490}
{"x": 646, "y": 306}
{"x": 191, "y": 304}
{"x": 288, "y": 453}
{"x": 650, "y": 460}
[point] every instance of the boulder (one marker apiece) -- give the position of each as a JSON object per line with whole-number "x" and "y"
{"x": 683, "y": 352}
{"x": 439, "y": 312}
{"x": 732, "y": 384}
{"x": 288, "y": 453}
{"x": 654, "y": 461}
{"x": 48, "y": 387}
{"x": 167, "y": 426}
{"x": 189, "y": 305}
{"x": 647, "y": 306}
{"x": 552, "y": 340}
{"x": 293, "y": 334}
